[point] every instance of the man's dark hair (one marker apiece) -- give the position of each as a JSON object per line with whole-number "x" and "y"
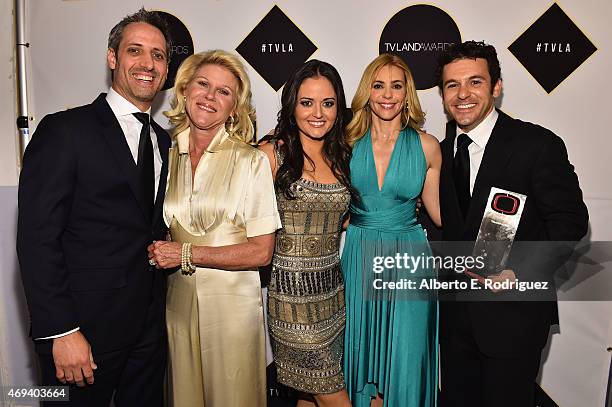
{"x": 470, "y": 50}
{"x": 141, "y": 16}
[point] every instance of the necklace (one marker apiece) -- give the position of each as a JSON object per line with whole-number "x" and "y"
{"x": 386, "y": 137}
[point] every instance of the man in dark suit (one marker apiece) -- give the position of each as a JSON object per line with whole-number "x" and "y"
{"x": 491, "y": 350}
{"x": 90, "y": 201}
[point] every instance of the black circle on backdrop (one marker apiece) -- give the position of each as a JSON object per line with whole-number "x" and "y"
{"x": 418, "y": 34}
{"x": 182, "y": 46}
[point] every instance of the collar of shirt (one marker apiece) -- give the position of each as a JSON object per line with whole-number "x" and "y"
{"x": 480, "y": 134}
{"x": 120, "y": 105}
{"x": 182, "y": 140}
{"x": 131, "y": 127}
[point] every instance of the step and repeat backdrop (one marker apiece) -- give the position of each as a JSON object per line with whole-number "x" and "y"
{"x": 555, "y": 59}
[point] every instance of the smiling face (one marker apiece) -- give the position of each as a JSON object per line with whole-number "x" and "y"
{"x": 140, "y": 65}
{"x": 469, "y": 96}
{"x": 211, "y": 97}
{"x": 316, "y": 108}
{"x": 388, "y": 93}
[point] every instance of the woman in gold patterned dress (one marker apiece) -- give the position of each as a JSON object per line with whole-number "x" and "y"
{"x": 222, "y": 216}
{"x": 310, "y": 162}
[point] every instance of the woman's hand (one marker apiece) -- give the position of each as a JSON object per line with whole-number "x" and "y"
{"x": 165, "y": 254}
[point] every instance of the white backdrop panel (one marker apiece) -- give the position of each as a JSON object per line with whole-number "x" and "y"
{"x": 8, "y": 128}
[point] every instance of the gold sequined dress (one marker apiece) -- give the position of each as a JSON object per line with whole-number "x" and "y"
{"x": 306, "y": 312}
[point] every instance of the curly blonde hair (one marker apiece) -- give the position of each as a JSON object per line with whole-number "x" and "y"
{"x": 243, "y": 127}
{"x": 413, "y": 116}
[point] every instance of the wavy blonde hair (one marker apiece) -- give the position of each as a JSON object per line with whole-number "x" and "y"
{"x": 243, "y": 127}
{"x": 413, "y": 116}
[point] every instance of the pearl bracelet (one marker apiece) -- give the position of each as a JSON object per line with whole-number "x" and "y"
{"x": 187, "y": 266}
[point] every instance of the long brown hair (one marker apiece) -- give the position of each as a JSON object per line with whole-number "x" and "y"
{"x": 336, "y": 151}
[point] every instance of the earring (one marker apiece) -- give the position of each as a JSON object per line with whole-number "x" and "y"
{"x": 184, "y": 103}
{"x": 367, "y": 105}
{"x": 231, "y": 125}
{"x": 407, "y": 106}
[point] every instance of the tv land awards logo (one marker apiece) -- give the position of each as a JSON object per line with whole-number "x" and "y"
{"x": 552, "y": 48}
{"x": 276, "y": 48}
{"x": 182, "y": 46}
{"x": 418, "y": 34}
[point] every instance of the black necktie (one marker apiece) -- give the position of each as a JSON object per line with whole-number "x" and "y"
{"x": 145, "y": 161}
{"x": 461, "y": 172}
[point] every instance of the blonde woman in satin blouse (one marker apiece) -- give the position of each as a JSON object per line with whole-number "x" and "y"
{"x": 220, "y": 199}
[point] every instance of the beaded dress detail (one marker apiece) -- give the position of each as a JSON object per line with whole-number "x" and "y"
{"x": 306, "y": 311}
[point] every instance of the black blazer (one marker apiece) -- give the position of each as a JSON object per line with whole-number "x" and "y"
{"x": 531, "y": 160}
{"x": 82, "y": 230}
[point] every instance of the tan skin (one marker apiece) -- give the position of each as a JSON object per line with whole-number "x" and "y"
{"x": 210, "y": 101}
{"x": 387, "y": 99}
{"x": 315, "y": 114}
{"x": 140, "y": 68}
{"x": 469, "y": 96}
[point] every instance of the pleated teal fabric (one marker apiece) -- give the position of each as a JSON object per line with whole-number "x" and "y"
{"x": 391, "y": 335}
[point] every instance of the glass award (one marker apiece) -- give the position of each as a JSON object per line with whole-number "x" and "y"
{"x": 497, "y": 229}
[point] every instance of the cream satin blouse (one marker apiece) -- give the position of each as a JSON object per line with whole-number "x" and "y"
{"x": 233, "y": 192}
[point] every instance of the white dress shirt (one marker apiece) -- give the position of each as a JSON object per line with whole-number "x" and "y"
{"x": 480, "y": 137}
{"x": 131, "y": 127}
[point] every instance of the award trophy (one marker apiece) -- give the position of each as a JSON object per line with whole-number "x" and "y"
{"x": 497, "y": 229}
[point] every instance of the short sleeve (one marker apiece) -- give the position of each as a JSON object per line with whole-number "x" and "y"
{"x": 260, "y": 210}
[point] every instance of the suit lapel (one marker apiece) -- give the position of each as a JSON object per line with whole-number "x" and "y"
{"x": 163, "y": 144}
{"x": 118, "y": 145}
{"x": 496, "y": 156}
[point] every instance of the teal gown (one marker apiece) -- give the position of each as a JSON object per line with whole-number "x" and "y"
{"x": 391, "y": 335}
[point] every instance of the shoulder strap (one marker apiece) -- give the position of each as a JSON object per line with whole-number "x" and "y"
{"x": 278, "y": 154}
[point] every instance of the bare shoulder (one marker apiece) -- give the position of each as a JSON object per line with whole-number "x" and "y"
{"x": 268, "y": 149}
{"x": 428, "y": 140}
{"x": 431, "y": 147}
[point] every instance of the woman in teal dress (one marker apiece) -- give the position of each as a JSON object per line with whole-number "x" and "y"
{"x": 391, "y": 334}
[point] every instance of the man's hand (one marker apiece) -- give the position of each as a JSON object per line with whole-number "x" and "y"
{"x": 506, "y": 275}
{"x": 73, "y": 359}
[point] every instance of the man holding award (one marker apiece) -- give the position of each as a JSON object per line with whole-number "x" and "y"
{"x": 498, "y": 167}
